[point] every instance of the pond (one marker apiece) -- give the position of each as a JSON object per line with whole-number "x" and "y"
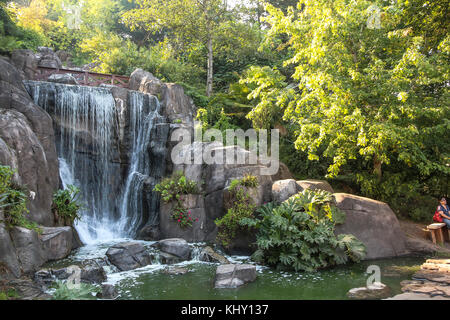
{"x": 151, "y": 282}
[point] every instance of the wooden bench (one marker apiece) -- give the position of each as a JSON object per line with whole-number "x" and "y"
{"x": 437, "y": 234}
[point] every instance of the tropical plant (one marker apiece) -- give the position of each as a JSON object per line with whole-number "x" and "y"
{"x": 13, "y": 201}
{"x": 81, "y": 291}
{"x": 299, "y": 234}
{"x": 66, "y": 204}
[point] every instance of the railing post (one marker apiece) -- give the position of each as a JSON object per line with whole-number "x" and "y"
{"x": 85, "y": 80}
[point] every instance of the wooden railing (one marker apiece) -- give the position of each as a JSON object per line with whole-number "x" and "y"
{"x": 85, "y": 78}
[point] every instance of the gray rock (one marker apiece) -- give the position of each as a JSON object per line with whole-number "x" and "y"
{"x": 284, "y": 189}
{"x": 373, "y": 223}
{"x": 128, "y": 256}
{"x": 109, "y": 292}
{"x": 374, "y": 291}
{"x": 26, "y": 62}
{"x": 57, "y": 242}
{"x": 175, "y": 246}
{"x": 209, "y": 255}
{"x": 29, "y": 249}
{"x": 283, "y": 173}
{"x": 167, "y": 258}
{"x": 312, "y": 184}
{"x": 28, "y": 290}
{"x": 9, "y": 263}
{"x": 149, "y": 233}
{"x": 63, "y": 78}
{"x": 234, "y": 275}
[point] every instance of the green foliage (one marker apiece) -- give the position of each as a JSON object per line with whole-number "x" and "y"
{"x": 13, "y": 201}
{"x": 361, "y": 99}
{"x": 66, "y": 204}
{"x": 81, "y": 291}
{"x": 172, "y": 189}
{"x": 242, "y": 207}
{"x": 8, "y": 294}
{"x": 299, "y": 234}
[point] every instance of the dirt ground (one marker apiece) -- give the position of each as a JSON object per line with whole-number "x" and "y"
{"x": 419, "y": 240}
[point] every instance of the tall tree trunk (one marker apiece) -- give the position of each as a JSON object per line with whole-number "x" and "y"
{"x": 377, "y": 167}
{"x": 209, "y": 76}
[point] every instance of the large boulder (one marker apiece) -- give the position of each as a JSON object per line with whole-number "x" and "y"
{"x": 373, "y": 223}
{"x": 312, "y": 184}
{"x": 29, "y": 248}
{"x": 234, "y": 275}
{"x": 128, "y": 256}
{"x": 57, "y": 242}
{"x": 283, "y": 190}
{"x": 175, "y": 246}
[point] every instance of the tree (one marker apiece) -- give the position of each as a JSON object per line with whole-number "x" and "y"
{"x": 188, "y": 22}
{"x": 374, "y": 98}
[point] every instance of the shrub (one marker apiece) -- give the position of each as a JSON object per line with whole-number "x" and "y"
{"x": 242, "y": 208}
{"x": 299, "y": 234}
{"x": 13, "y": 201}
{"x": 66, "y": 204}
{"x": 171, "y": 189}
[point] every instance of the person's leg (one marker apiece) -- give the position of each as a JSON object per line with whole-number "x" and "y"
{"x": 447, "y": 222}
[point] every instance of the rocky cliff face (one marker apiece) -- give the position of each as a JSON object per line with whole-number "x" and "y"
{"x": 27, "y": 144}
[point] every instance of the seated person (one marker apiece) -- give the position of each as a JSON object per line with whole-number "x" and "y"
{"x": 444, "y": 211}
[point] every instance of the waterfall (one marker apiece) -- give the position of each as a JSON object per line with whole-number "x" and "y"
{"x": 92, "y": 152}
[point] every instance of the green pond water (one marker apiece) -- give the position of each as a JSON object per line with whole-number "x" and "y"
{"x": 151, "y": 282}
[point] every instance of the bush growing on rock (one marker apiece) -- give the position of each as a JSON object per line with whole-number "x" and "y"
{"x": 13, "y": 201}
{"x": 299, "y": 234}
{"x": 242, "y": 208}
{"x": 66, "y": 205}
{"x": 171, "y": 189}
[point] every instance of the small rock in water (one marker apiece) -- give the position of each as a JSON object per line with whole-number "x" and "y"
{"x": 128, "y": 256}
{"x": 377, "y": 290}
{"x": 209, "y": 255}
{"x": 167, "y": 258}
{"x": 175, "y": 246}
{"x": 108, "y": 292}
{"x": 234, "y": 275}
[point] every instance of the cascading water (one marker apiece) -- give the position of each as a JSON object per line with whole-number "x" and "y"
{"x": 91, "y": 153}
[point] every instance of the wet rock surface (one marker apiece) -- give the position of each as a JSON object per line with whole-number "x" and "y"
{"x": 234, "y": 275}
{"x": 175, "y": 246}
{"x": 128, "y": 256}
{"x": 375, "y": 291}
